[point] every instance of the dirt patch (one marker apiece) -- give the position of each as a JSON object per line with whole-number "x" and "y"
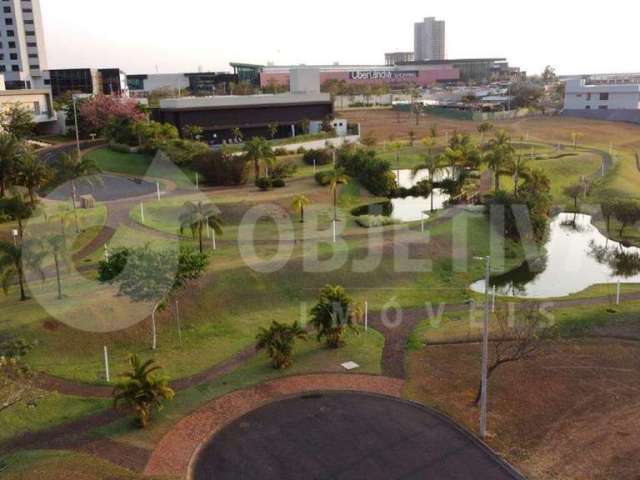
{"x": 571, "y": 413}
{"x": 51, "y": 325}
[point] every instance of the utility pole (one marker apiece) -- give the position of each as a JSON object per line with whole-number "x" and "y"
{"x": 75, "y": 119}
{"x": 485, "y": 352}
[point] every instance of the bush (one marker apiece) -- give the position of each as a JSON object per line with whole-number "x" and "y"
{"x": 301, "y": 151}
{"x": 322, "y": 178}
{"x": 278, "y": 183}
{"x": 110, "y": 269}
{"x": 281, "y": 152}
{"x": 122, "y": 148}
{"x": 121, "y": 131}
{"x": 221, "y": 168}
{"x": 373, "y": 221}
{"x": 153, "y": 136}
{"x": 264, "y": 183}
{"x": 373, "y": 173}
{"x": 182, "y": 152}
{"x": 321, "y": 157}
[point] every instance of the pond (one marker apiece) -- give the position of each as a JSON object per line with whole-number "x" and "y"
{"x": 577, "y": 257}
{"x": 412, "y": 209}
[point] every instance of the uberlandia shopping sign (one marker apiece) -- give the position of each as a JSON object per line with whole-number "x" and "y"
{"x": 384, "y": 75}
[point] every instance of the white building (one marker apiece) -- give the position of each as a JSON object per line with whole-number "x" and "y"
{"x": 23, "y": 55}
{"x": 38, "y": 102}
{"x": 429, "y": 40}
{"x": 602, "y": 101}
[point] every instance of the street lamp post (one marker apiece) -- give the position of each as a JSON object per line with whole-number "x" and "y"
{"x": 15, "y": 234}
{"x": 485, "y": 350}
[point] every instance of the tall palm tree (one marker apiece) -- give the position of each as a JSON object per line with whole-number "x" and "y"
{"x": 432, "y": 163}
{"x": 299, "y": 203}
{"x": 57, "y": 245}
{"x": 484, "y": 128}
{"x": 258, "y": 149}
{"x": 336, "y": 177}
{"x": 75, "y": 169}
{"x": 196, "y": 216}
{"x": 332, "y": 315}
{"x": 32, "y": 173}
{"x": 20, "y": 210}
{"x": 10, "y": 149}
{"x": 520, "y": 171}
{"x": 142, "y": 391}
{"x": 499, "y": 155}
{"x": 13, "y": 258}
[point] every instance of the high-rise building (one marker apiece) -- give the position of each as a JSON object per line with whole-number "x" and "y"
{"x": 429, "y": 40}
{"x": 23, "y": 57}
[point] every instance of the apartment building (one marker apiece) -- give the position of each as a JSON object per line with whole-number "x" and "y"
{"x": 604, "y": 101}
{"x": 23, "y": 56}
{"x": 429, "y": 40}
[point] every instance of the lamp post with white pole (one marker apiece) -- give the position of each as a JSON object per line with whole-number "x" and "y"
{"x": 485, "y": 350}
{"x": 15, "y": 234}
{"x": 75, "y": 120}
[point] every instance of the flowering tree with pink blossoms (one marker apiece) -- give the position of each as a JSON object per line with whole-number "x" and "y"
{"x": 98, "y": 112}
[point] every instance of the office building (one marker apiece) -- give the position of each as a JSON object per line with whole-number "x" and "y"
{"x": 393, "y": 58}
{"x": 38, "y": 102}
{"x": 252, "y": 114}
{"x": 103, "y": 81}
{"x": 473, "y": 70}
{"x": 201, "y": 83}
{"x": 23, "y": 55}
{"x": 429, "y": 40}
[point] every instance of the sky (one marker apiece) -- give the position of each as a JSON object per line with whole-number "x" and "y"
{"x": 145, "y": 36}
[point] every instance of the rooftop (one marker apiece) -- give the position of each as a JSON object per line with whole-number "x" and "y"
{"x": 231, "y": 101}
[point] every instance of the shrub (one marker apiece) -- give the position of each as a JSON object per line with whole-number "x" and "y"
{"x": 110, "y": 269}
{"x": 154, "y": 135}
{"x": 301, "y": 151}
{"x": 322, "y": 178}
{"x": 264, "y": 183}
{"x": 321, "y": 157}
{"x": 283, "y": 168}
{"x": 278, "y": 183}
{"x": 122, "y": 148}
{"x": 121, "y": 130}
{"x": 182, "y": 152}
{"x": 373, "y": 221}
{"x": 373, "y": 173}
{"x": 220, "y": 168}
{"x": 281, "y": 152}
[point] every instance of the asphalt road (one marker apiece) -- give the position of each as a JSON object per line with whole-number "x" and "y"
{"x": 346, "y": 436}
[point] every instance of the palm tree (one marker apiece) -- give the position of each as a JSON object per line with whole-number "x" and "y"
{"x": 257, "y": 150}
{"x": 336, "y": 177}
{"x": 32, "y": 173}
{"x": 13, "y": 258}
{"x": 57, "y": 244}
{"x": 197, "y": 216}
{"x": 484, "y": 128}
{"x": 75, "y": 169}
{"x": 237, "y": 134}
{"x": 19, "y": 209}
{"x": 520, "y": 171}
{"x": 499, "y": 155}
{"x": 278, "y": 340}
{"x": 142, "y": 392}
{"x": 299, "y": 203}
{"x": 432, "y": 163}
{"x": 273, "y": 130}
{"x": 332, "y": 315}
{"x": 10, "y": 149}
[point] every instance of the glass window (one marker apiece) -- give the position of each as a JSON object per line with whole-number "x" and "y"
{"x": 604, "y": 96}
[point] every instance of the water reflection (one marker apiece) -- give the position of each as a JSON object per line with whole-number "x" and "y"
{"x": 412, "y": 209}
{"x": 578, "y": 256}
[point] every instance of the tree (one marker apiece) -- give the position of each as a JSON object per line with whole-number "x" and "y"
{"x": 368, "y": 140}
{"x": 462, "y": 152}
{"x": 16, "y": 378}
{"x": 432, "y": 163}
{"x": 499, "y": 156}
{"x": 574, "y": 192}
{"x": 273, "y": 130}
{"x": 154, "y": 136}
{"x": 142, "y": 392}
{"x": 549, "y": 75}
{"x": 627, "y": 212}
{"x": 279, "y": 340}
{"x": 520, "y": 170}
{"x": 237, "y": 134}
{"x": 484, "y": 128}
{"x": 192, "y": 132}
{"x": 74, "y": 169}
{"x": 110, "y": 268}
{"x": 13, "y": 258}
{"x": 299, "y": 203}
{"x": 96, "y": 113}
{"x": 16, "y": 120}
{"x": 197, "y": 216}
{"x": 258, "y": 149}
{"x": 57, "y": 244}
{"x": 19, "y": 210}
{"x": 433, "y": 131}
{"x": 332, "y": 315}
{"x": 10, "y": 150}
{"x": 396, "y": 147}
{"x": 32, "y": 173}
{"x": 608, "y": 210}
{"x": 412, "y": 137}
{"x": 517, "y": 339}
{"x": 336, "y": 177}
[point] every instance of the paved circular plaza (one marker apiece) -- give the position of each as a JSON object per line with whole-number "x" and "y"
{"x": 345, "y": 436}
